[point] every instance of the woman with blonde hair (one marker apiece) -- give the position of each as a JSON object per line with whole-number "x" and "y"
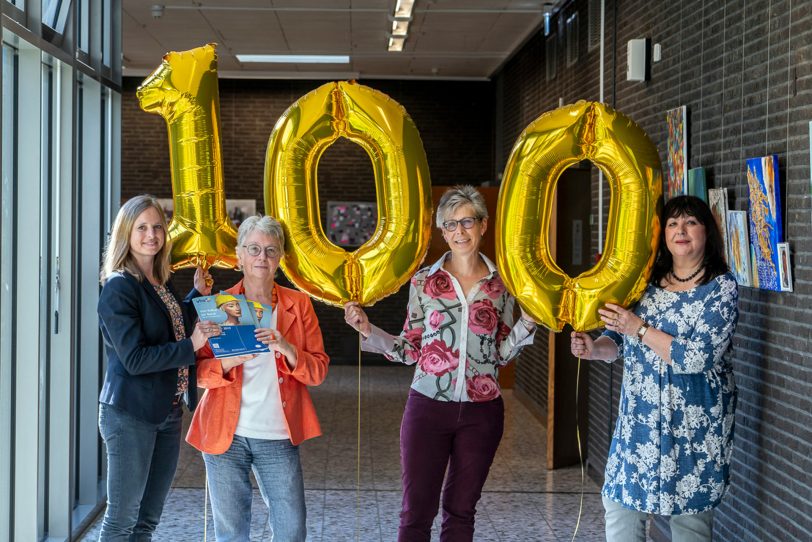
{"x": 150, "y": 344}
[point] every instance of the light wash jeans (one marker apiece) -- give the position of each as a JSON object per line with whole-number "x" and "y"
{"x": 141, "y": 462}
{"x": 627, "y": 525}
{"x": 278, "y": 472}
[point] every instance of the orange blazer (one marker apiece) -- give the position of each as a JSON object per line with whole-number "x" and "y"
{"x": 215, "y": 418}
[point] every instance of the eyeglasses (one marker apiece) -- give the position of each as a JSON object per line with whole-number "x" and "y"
{"x": 467, "y": 223}
{"x": 255, "y": 250}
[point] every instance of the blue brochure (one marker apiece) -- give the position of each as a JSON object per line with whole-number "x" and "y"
{"x": 237, "y": 321}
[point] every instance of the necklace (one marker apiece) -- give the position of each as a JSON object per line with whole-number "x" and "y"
{"x": 689, "y": 277}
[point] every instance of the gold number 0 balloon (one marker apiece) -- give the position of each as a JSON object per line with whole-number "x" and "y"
{"x": 183, "y": 90}
{"x": 383, "y": 129}
{"x": 551, "y": 143}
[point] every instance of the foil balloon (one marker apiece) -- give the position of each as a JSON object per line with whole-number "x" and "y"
{"x": 631, "y": 164}
{"x": 183, "y": 90}
{"x": 385, "y": 131}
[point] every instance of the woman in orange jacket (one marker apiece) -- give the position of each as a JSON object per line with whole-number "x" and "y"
{"x": 256, "y": 409}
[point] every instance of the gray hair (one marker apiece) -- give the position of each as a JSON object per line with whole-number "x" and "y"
{"x": 457, "y": 196}
{"x": 265, "y": 224}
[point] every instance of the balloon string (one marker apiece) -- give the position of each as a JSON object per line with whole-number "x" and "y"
{"x": 358, "y": 452}
{"x": 205, "y": 505}
{"x": 580, "y": 453}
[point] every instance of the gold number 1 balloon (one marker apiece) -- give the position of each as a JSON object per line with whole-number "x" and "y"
{"x": 383, "y": 129}
{"x": 551, "y": 143}
{"x": 183, "y": 90}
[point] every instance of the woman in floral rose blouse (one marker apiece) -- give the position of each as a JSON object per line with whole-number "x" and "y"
{"x": 459, "y": 331}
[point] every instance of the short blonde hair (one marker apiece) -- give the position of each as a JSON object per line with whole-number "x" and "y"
{"x": 457, "y": 196}
{"x": 117, "y": 257}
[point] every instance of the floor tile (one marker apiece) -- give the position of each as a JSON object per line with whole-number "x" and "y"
{"x": 522, "y": 501}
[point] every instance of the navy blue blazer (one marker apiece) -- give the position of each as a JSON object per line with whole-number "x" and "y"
{"x": 143, "y": 356}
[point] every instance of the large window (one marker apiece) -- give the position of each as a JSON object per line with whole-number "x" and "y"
{"x": 60, "y": 185}
{"x": 7, "y": 300}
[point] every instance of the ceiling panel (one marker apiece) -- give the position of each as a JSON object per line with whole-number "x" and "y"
{"x": 447, "y": 38}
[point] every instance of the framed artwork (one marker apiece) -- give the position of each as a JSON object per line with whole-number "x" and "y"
{"x": 677, "y": 172}
{"x": 784, "y": 267}
{"x": 168, "y": 206}
{"x": 766, "y": 229}
{"x": 697, "y": 186}
{"x": 351, "y": 223}
{"x": 739, "y": 247}
{"x": 238, "y": 209}
{"x": 718, "y": 205}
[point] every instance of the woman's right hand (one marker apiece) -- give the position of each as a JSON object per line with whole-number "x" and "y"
{"x": 355, "y": 316}
{"x": 581, "y": 345}
{"x": 203, "y": 330}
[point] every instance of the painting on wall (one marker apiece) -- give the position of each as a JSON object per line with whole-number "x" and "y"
{"x": 351, "y": 223}
{"x": 677, "y": 174}
{"x": 718, "y": 205}
{"x": 739, "y": 246}
{"x": 784, "y": 267}
{"x": 766, "y": 229}
{"x": 697, "y": 186}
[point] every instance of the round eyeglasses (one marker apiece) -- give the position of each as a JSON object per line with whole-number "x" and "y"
{"x": 467, "y": 223}
{"x": 255, "y": 250}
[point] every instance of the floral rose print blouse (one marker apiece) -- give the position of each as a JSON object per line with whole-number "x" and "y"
{"x": 458, "y": 343}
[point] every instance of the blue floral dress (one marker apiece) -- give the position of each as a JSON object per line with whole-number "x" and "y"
{"x": 670, "y": 452}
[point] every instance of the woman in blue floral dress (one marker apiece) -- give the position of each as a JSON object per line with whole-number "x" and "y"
{"x": 459, "y": 331}
{"x": 670, "y": 452}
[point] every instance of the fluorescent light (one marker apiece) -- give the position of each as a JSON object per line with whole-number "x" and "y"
{"x": 396, "y": 43}
{"x": 400, "y": 28}
{"x": 296, "y": 59}
{"x": 403, "y": 9}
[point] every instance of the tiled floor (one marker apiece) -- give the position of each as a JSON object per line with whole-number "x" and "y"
{"x": 522, "y": 500}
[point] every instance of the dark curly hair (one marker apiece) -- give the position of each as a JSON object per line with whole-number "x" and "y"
{"x": 714, "y": 260}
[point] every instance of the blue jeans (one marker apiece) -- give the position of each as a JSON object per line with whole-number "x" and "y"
{"x": 141, "y": 462}
{"x": 627, "y": 525}
{"x": 278, "y": 472}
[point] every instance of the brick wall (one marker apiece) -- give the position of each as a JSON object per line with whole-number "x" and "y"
{"x": 744, "y": 70}
{"x": 455, "y": 121}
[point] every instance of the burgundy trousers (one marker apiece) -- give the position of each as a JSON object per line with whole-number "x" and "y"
{"x": 461, "y": 436}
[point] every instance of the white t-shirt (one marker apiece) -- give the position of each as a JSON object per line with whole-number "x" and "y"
{"x": 261, "y": 413}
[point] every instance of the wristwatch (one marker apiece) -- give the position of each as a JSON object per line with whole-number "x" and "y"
{"x": 642, "y": 331}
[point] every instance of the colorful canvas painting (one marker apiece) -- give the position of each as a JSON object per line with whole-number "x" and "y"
{"x": 784, "y": 267}
{"x": 718, "y": 205}
{"x": 766, "y": 229}
{"x": 696, "y": 183}
{"x": 351, "y": 223}
{"x": 677, "y": 174}
{"x": 739, "y": 247}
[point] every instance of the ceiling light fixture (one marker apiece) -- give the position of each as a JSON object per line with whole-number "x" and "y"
{"x": 403, "y": 9}
{"x": 400, "y": 24}
{"x": 396, "y": 43}
{"x": 400, "y": 28}
{"x": 295, "y": 59}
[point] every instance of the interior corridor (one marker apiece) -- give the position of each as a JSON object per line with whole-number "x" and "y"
{"x": 522, "y": 500}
